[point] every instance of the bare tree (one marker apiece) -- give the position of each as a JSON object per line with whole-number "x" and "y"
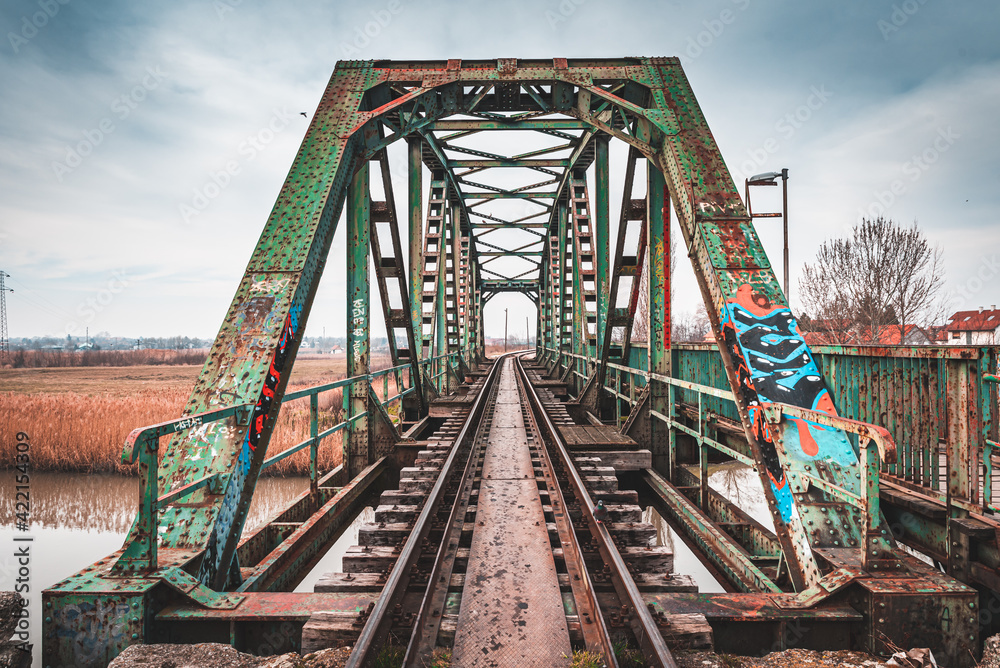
{"x": 883, "y": 274}
{"x": 690, "y": 327}
{"x": 640, "y": 324}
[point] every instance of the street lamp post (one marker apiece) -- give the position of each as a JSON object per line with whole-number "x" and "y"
{"x": 770, "y": 179}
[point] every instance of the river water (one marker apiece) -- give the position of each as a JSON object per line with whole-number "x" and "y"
{"x": 77, "y": 519}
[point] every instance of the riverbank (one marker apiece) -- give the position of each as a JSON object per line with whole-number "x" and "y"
{"x": 77, "y": 419}
{"x": 212, "y": 655}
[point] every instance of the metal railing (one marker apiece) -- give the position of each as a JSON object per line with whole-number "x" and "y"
{"x": 636, "y": 379}
{"x": 903, "y": 389}
{"x": 142, "y": 446}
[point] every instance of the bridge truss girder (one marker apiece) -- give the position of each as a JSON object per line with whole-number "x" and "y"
{"x": 585, "y": 317}
{"x": 645, "y": 102}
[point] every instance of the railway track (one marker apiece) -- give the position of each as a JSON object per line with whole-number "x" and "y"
{"x": 490, "y": 552}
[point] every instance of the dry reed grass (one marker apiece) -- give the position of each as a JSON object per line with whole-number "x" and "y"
{"x": 85, "y": 432}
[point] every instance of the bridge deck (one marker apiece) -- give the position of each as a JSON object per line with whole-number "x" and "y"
{"x": 512, "y": 610}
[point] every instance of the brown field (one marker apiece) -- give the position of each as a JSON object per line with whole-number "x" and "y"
{"x": 77, "y": 418}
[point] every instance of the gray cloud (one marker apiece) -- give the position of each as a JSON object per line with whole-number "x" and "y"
{"x": 226, "y": 72}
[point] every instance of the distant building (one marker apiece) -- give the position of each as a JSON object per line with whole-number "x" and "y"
{"x": 818, "y": 332}
{"x": 912, "y": 336}
{"x": 973, "y": 328}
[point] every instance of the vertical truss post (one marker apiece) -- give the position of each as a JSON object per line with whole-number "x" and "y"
{"x": 563, "y": 286}
{"x": 579, "y": 338}
{"x": 314, "y": 448}
{"x": 626, "y": 265}
{"x": 139, "y": 555}
{"x": 961, "y": 460}
{"x": 433, "y": 258}
{"x": 441, "y": 318}
{"x": 358, "y": 341}
{"x": 416, "y": 220}
{"x": 465, "y": 303}
{"x": 601, "y": 232}
{"x": 658, "y": 258}
{"x": 455, "y": 329}
{"x": 555, "y": 288}
{"x": 480, "y": 332}
{"x": 548, "y": 324}
{"x": 584, "y": 278}
{"x": 543, "y": 305}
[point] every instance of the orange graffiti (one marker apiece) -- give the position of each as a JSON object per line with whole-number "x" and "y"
{"x": 760, "y": 306}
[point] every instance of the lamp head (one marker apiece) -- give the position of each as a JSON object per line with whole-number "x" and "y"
{"x": 765, "y": 179}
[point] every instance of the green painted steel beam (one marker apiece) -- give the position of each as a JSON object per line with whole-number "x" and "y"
{"x": 506, "y": 194}
{"x": 496, "y": 124}
{"x": 415, "y": 195}
{"x": 357, "y": 445}
{"x": 508, "y": 162}
{"x": 658, "y": 312}
{"x": 602, "y": 229}
{"x": 645, "y": 102}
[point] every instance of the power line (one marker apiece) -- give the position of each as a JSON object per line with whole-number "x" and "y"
{"x": 4, "y": 348}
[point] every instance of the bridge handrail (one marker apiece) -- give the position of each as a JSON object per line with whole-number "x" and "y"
{"x": 868, "y": 433}
{"x": 142, "y": 443}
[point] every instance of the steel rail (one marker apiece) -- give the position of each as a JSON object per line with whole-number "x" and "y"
{"x": 647, "y": 633}
{"x": 427, "y": 624}
{"x": 592, "y": 624}
{"x": 376, "y": 628}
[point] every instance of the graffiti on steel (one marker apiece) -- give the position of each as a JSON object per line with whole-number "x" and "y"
{"x": 774, "y": 365}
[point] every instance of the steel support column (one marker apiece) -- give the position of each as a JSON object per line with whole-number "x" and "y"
{"x": 563, "y": 286}
{"x": 415, "y": 201}
{"x": 440, "y": 306}
{"x": 356, "y": 442}
{"x": 601, "y": 220}
{"x": 658, "y": 258}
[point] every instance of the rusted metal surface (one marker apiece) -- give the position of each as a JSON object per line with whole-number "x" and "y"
{"x": 377, "y": 626}
{"x": 287, "y": 563}
{"x": 594, "y": 630}
{"x": 427, "y": 625}
{"x": 512, "y": 611}
{"x": 643, "y": 625}
{"x": 736, "y": 564}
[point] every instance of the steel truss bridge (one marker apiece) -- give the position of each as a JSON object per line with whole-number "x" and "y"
{"x": 876, "y": 463}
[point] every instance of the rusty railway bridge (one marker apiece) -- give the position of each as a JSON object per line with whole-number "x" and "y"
{"x": 876, "y": 463}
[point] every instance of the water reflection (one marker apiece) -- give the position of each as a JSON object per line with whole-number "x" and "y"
{"x": 77, "y": 519}
{"x": 107, "y": 502}
{"x": 685, "y": 561}
{"x": 738, "y": 483}
{"x": 333, "y": 560}
{"x": 741, "y": 485}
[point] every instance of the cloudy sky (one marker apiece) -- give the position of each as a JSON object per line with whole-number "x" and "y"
{"x": 115, "y": 114}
